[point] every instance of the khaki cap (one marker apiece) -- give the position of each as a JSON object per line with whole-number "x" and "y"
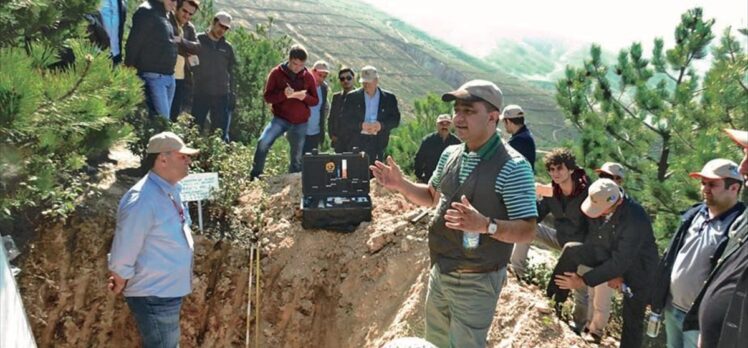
{"x": 477, "y": 89}
{"x": 168, "y": 141}
{"x": 444, "y": 117}
{"x": 512, "y": 111}
{"x": 719, "y": 168}
{"x": 321, "y": 65}
{"x": 738, "y": 136}
{"x": 611, "y": 168}
{"x": 603, "y": 194}
{"x": 368, "y": 74}
{"x": 224, "y": 18}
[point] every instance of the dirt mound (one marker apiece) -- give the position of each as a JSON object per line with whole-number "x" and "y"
{"x": 318, "y": 288}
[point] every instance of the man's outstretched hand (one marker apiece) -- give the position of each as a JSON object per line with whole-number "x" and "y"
{"x": 464, "y": 217}
{"x": 388, "y": 175}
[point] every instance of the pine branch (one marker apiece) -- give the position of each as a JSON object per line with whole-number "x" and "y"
{"x": 87, "y": 67}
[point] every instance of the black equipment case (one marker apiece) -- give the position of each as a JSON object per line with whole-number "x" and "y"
{"x": 335, "y": 191}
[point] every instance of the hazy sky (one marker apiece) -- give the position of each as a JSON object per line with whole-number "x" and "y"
{"x": 476, "y": 25}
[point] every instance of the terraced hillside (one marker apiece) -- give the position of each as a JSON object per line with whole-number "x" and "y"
{"x": 411, "y": 63}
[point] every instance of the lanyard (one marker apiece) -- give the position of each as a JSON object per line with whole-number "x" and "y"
{"x": 179, "y": 209}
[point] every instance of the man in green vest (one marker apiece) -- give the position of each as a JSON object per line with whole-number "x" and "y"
{"x": 474, "y": 228}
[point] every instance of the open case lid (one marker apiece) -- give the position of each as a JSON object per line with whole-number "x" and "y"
{"x": 343, "y": 174}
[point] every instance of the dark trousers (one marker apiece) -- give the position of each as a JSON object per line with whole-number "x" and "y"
{"x": 218, "y": 106}
{"x": 312, "y": 142}
{"x": 180, "y": 94}
{"x": 370, "y": 145}
{"x": 574, "y": 255}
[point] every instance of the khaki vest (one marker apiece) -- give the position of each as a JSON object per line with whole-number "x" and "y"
{"x": 445, "y": 244}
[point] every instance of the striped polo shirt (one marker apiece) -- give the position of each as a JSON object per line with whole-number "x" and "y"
{"x": 515, "y": 183}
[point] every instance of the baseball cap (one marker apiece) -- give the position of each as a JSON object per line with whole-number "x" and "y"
{"x": 224, "y": 18}
{"x": 602, "y": 195}
{"x": 321, "y": 65}
{"x": 738, "y": 136}
{"x": 444, "y": 117}
{"x": 477, "y": 89}
{"x": 611, "y": 168}
{"x": 719, "y": 168}
{"x": 168, "y": 141}
{"x": 368, "y": 74}
{"x": 512, "y": 111}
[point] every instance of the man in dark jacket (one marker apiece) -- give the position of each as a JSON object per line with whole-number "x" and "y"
{"x": 569, "y": 189}
{"x": 291, "y": 90}
{"x": 720, "y": 311}
{"x": 695, "y": 247}
{"x": 338, "y": 140}
{"x": 215, "y": 90}
{"x": 187, "y": 54}
{"x": 619, "y": 249}
{"x": 513, "y": 118}
{"x": 152, "y": 49}
{"x": 315, "y": 129}
{"x": 369, "y": 115}
{"x": 432, "y": 147}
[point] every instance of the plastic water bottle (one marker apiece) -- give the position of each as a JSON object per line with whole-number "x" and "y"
{"x": 626, "y": 290}
{"x": 470, "y": 240}
{"x": 653, "y": 324}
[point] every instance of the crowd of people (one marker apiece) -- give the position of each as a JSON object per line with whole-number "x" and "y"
{"x": 604, "y": 236}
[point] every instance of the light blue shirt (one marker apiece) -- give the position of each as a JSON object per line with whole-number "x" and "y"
{"x": 150, "y": 248}
{"x": 110, "y": 16}
{"x": 372, "y": 106}
{"x": 312, "y": 126}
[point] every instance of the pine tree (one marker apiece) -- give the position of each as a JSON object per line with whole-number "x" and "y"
{"x": 656, "y": 116}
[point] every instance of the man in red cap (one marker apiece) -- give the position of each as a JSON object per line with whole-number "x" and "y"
{"x": 720, "y": 311}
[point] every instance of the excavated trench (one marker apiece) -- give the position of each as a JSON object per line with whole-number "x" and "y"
{"x": 318, "y": 288}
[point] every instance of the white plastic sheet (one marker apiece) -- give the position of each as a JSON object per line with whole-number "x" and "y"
{"x": 15, "y": 331}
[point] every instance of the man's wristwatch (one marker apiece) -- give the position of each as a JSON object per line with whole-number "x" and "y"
{"x": 492, "y": 227}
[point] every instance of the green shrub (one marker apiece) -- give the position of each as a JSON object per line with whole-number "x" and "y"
{"x": 54, "y": 121}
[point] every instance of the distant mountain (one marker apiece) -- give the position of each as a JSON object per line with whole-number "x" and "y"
{"x": 541, "y": 61}
{"x": 411, "y": 63}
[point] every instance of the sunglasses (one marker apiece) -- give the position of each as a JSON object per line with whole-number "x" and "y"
{"x": 184, "y": 10}
{"x": 608, "y": 176}
{"x": 345, "y": 78}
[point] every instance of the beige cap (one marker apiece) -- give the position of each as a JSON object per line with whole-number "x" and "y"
{"x": 168, "y": 141}
{"x": 719, "y": 168}
{"x": 321, "y": 65}
{"x": 444, "y": 117}
{"x": 477, "y": 89}
{"x": 512, "y": 111}
{"x": 603, "y": 194}
{"x": 612, "y": 168}
{"x": 368, "y": 74}
{"x": 738, "y": 136}
{"x": 224, "y": 18}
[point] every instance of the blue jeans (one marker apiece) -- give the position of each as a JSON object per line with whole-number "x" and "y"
{"x": 296, "y": 134}
{"x": 157, "y": 319}
{"x": 159, "y": 93}
{"x": 460, "y": 307}
{"x": 676, "y": 337}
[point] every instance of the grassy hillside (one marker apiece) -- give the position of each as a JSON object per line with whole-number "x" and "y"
{"x": 411, "y": 63}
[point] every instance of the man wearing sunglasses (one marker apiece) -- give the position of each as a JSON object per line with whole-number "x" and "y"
{"x": 315, "y": 130}
{"x": 613, "y": 171}
{"x": 340, "y": 140}
{"x": 187, "y": 53}
{"x": 151, "y": 48}
{"x": 215, "y": 86}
